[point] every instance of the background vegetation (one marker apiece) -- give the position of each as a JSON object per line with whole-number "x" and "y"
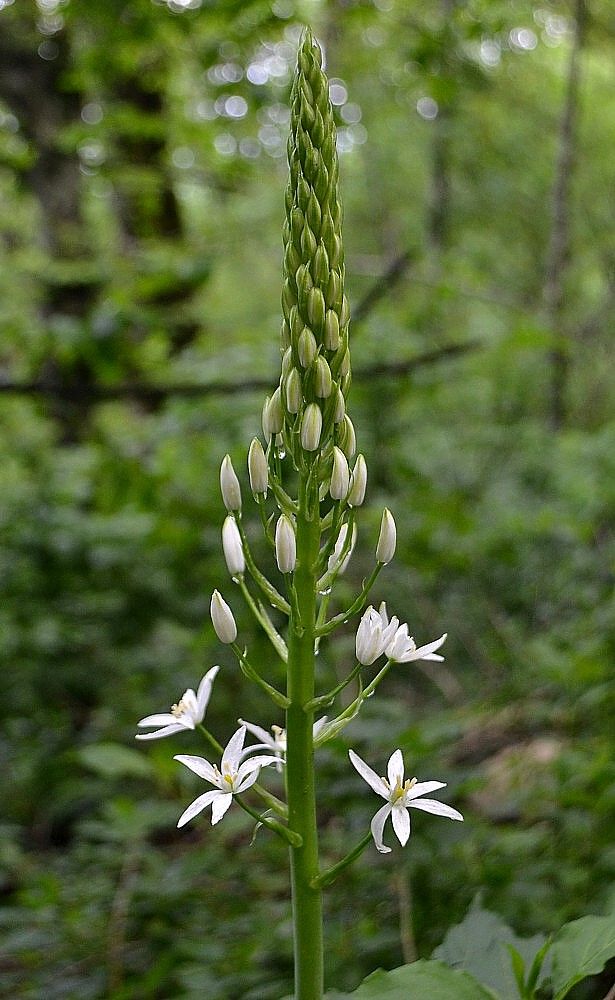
{"x": 141, "y": 177}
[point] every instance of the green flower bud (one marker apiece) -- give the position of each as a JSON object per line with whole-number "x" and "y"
{"x": 311, "y": 427}
{"x": 339, "y": 411}
{"x": 322, "y": 378}
{"x": 257, "y": 468}
{"x": 344, "y": 312}
{"x": 294, "y": 391}
{"x": 316, "y": 309}
{"x": 331, "y": 336}
{"x": 306, "y": 348}
{"x": 287, "y": 361}
{"x": 346, "y": 437}
{"x": 320, "y": 267}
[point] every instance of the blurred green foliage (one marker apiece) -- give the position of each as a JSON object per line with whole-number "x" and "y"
{"x": 141, "y": 178}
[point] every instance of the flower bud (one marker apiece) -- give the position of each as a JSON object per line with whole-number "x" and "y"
{"x": 322, "y": 378}
{"x": 222, "y": 618}
{"x": 311, "y": 427}
{"x": 285, "y": 545}
{"x": 331, "y": 336}
{"x": 340, "y": 477}
{"x": 344, "y": 312}
{"x": 339, "y": 411}
{"x": 232, "y": 546}
{"x": 316, "y": 309}
{"x": 306, "y": 347}
{"x": 273, "y": 416}
{"x": 359, "y": 482}
{"x": 347, "y": 437}
{"x": 287, "y": 362}
{"x": 257, "y": 467}
{"x": 293, "y": 391}
{"x": 345, "y": 365}
{"x": 229, "y": 485}
{"x": 385, "y": 550}
{"x": 334, "y": 559}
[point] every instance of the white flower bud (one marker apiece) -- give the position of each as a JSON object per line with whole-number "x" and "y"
{"x": 233, "y": 548}
{"x": 340, "y": 477}
{"x": 322, "y": 378}
{"x": 345, "y": 365}
{"x": 293, "y": 391}
{"x": 359, "y": 482}
{"x": 273, "y": 415}
{"x": 334, "y": 559}
{"x": 311, "y": 427}
{"x": 347, "y": 437}
{"x": 257, "y": 467}
{"x": 285, "y": 545}
{"x": 387, "y": 540}
{"x": 306, "y": 347}
{"x": 229, "y": 485}
{"x": 222, "y": 618}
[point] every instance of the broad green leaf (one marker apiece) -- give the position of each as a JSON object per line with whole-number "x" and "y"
{"x": 480, "y": 945}
{"x": 112, "y": 760}
{"x": 581, "y": 948}
{"x": 422, "y": 979}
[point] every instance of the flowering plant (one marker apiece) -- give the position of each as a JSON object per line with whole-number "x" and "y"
{"x": 307, "y": 433}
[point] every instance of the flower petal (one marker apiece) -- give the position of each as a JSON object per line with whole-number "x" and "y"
{"x": 197, "y": 806}
{"x": 260, "y": 733}
{"x": 426, "y": 652}
{"x": 401, "y": 823}
{"x": 162, "y": 719}
{"x": 435, "y": 807}
{"x": 219, "y": 807}
{"x": 368, "y": 775}
{"x": 200, "y": 766}
{"x": 254, "y": 764}
{"x": 318, "y": 725}
{"x": 395, "y": 769}
{"x": 423, "y": 788}
{"x": 204, "y": 692}
{"x": 246, "y": 782}
{"x": 377, "y": 827}
{"x": 175, "y": 727}
{"x": 233, "y": 750}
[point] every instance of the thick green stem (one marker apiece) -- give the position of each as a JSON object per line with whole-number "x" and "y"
{"x": 307, "y": 902}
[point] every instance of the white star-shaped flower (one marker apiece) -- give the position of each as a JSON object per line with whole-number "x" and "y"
{"x": 235, "y": 775}
{"x": 400, "y": 796}
{"x": 276, "y": 739}
{"x": 188, "y": 713}
{"x": 377, "y": 635}
{"x": 374, "y": 634}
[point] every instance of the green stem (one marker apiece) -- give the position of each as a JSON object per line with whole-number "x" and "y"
{"x": 307, "y": 901}
{"x": 326, "y": 878}
{"x": 326, "y": 699}
{"x": 356, "y": 605}
{"x": 264, "y": 621}
{"x": 290, "y": 836}
{"x": 252, "y": 674}
{"x": 259, "y": 578}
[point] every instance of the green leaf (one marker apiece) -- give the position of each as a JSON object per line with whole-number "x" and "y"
{"x": 112, "y": 760}
{"x": 480, "y": 945}
{"x": 421, "y": 979}
{"x": 581, "y": 948}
